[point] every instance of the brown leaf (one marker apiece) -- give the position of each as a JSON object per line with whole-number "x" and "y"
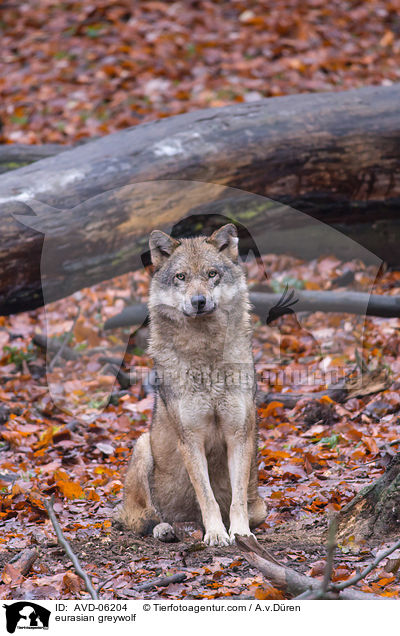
{"x": 72, "y": 582}
{"x": 11, "y": 574}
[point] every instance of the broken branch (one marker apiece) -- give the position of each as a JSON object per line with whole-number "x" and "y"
{"x": 348, "y": 302}
{"x": 290, "y": 581}
{"x": 358, "y": 577}
{"x": 24, "y": 560}
{"x": 163, "y": 581}
{"x": 68, "y": 550}
{"x": 66, "y": 338}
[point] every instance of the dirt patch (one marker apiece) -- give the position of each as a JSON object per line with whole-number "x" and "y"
{"x": 123, "y": 562}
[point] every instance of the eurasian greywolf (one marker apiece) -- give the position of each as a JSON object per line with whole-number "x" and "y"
{"x": 198, "y": 462}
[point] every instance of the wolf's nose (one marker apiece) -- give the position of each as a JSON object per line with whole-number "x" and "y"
{"x": 198, "y": 302}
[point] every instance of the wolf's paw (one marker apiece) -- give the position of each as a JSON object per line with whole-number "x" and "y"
{"x": 243, "y": 532}
{"x": 164, "y": 532}
{"x": 217, "y": 537}
{"x": 240, "y": 527}
{"x": 140, "y": 521}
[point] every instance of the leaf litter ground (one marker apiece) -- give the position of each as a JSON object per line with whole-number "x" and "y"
{"x": 70, "y": 71}
{"x": 70, "y": 75}
{"x": 312, "y": 458}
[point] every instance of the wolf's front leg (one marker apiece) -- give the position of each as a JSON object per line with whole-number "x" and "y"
{"x": 192, "y": 449}
{"x": 239, "y": 428}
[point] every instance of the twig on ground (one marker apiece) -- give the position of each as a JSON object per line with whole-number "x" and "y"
{"x": 53, "y": 345}
{"x": 135, "y": 314}
{"x": 289, "y": 400}
{"x": 68, "y": 550}
{"x": 65, "y": 341}
{"x": 306, "y": 595}
{"x": 163, "y": 581}
{"x": 103, "y": 583}
{"x": 294, "y": 583}
{"x": 125, "y": 379}
{"x": 325, "y": 585}
{"x": 332, "y": 530}
{"x": 250, "y": 544}
{"x": 370, "y": 382}
{"x": 358, "y": 577}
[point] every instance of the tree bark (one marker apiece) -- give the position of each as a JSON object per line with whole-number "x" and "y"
{"x": 288, "y": 580}
{"x": 13, "y": 156}
{"x": 334, "y": 156}
{"x": 374, "y": 513}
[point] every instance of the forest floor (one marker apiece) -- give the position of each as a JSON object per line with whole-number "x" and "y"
{"x": 67, "y": 429}
{"x": 72, "y": 71}
{"x": 76, "y": 70}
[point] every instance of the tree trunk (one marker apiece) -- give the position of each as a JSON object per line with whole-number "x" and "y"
{"x": 374, "y": 513}
{"x": 270, "y": 307}
{"x": 13, "y": 156}
{"x": 335, "y": 156}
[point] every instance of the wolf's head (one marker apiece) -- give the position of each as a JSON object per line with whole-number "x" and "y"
{"x": 196, "y": 276}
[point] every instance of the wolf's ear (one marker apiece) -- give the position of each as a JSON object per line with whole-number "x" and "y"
{"x": 225, "y": 239}
{"x": 161, "y": 247}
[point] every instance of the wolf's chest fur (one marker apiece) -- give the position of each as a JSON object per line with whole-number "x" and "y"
{"x": 213, "y": 358}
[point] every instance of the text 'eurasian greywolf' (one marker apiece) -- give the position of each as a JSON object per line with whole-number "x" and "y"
{"x": 198, "y": 462}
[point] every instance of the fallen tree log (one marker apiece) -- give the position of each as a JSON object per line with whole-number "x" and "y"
{"x": 294, "y": 584}
{"x": 349, "y": 302}
{"x": 269, "y": 307}
{"x": 54, "y": 346}
{"x": 288, "y": 580}
{"x": 23, "y": 561}
{"x": 334, "y": 156}
{"x": 13, "y": 156}
{"x": 369, "y": 383}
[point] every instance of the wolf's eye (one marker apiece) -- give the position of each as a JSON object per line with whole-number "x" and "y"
{"x": 180, "y": 276}
{"x": 212, "y": 273}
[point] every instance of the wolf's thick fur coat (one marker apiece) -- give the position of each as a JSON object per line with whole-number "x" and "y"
{"x": 198, "y": 462}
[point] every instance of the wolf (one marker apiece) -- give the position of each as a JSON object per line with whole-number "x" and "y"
{"x": 198, "y": 462}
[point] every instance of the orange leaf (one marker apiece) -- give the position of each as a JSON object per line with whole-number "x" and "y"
{"x": 386, "y": 580}
{"x": 85, "y": 333}
{"x": 270, "y": 409}
{"x": 46, "y": 438}
{"x": 91, "y": 495}
{"x": 387, "y": 38}
{"x": 12, "y": 437}
{"x": 317, "y": 568}
{"x": 267, "y": 591}
{"x": 261, "y": 594}
{"x": 370, "y": 444}
{"x": 70, "y": 489}
{"x": 61, "y": 475}
{"x": 326, "y": 400}
{"x": 359, "y": 453}
{"x": 278, "y": 494}
{"x": 310, "y": 284}
{"x": 36, "y": 500}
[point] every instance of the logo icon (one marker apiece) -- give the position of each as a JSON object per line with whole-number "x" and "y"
{"x": 26, "y": 615}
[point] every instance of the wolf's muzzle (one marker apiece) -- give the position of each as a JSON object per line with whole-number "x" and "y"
{"x": 198, "y": 302}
